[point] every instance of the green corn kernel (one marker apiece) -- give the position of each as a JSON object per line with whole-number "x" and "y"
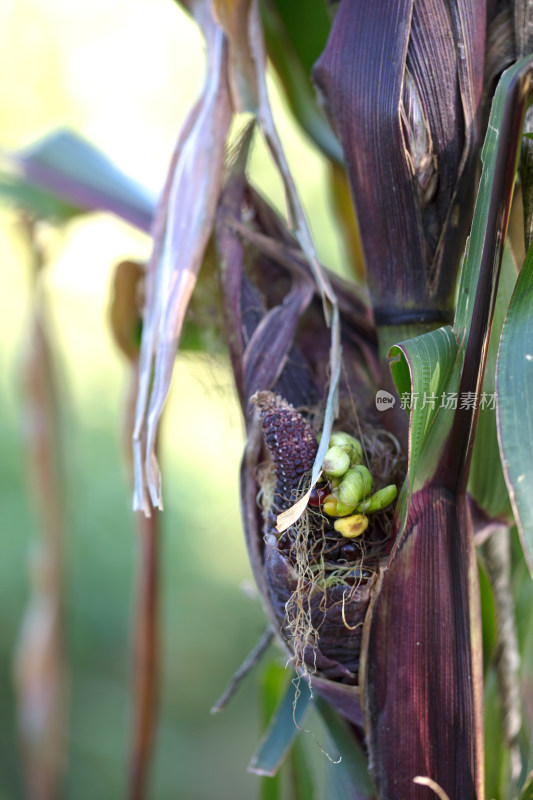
{"x": 336, "y": 462}
{"x": 367, "y": 477}
{"x": 350, "y": 444}
{"x": 380, "y": 499}
{"x": 343, "y": 510}
{"x": 354, "y": 486}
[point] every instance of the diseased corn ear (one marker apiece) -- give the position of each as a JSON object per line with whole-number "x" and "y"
{"x": 279, "y": 346}
{"x": 402, "y": 83}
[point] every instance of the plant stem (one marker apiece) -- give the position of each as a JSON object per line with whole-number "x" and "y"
{"x": 497, "y": 552}
{"x": 40, "y": 668}
{"x": 145, "y": 654}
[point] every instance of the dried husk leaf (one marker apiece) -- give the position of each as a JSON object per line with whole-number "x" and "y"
{"x": 232, "y": 16}
{"x": 188, "y": 221}
{"x": 185, "y": 216}
{"x": 297, "y": 219}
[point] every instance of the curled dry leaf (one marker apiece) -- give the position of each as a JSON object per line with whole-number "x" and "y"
{"x": 236, "y": 80}
{"x": 233, "y": 16}
{"x": 189, "y": 215}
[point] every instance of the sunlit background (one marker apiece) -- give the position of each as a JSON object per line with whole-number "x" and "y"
{"x": 123, "y": 75}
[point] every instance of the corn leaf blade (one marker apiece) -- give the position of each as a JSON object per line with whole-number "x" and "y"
{"x": 527, "y": 789}
{"x": 273, "y": 682}
{"x": 69, "y": 170}
{"x": 349, "y": 777}
{"x": 514, "y": 398}
{"x": 284, "y": 726}
{"x": 282, "y": 23}
{"x": 17, "y": 192}
{"x": 301, "y": 774}
{"x": 422, "y": 368}
{"x": 487, "y": 485}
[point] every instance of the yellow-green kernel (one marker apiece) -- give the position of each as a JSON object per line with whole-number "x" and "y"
{"x": 350, "y": 527}
{"x": 329, "y": 506}
{"x": 380, "y": 499}
{"x": 343, "y": 510}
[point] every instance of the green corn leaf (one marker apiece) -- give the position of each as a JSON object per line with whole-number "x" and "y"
{"x": 310, "y": 16}
{"x": 482, "y": 236}
{"x": 487, "y": 485}
{"x": 284, "y": 726}
{"x": 350, "y": 775}
{"x": 271, "y": 788}
{"x": 273, "y": 683}
{"x": 515, "y": 398}
{"x": 16, "y": 191}
{"x": 496, "y": 753}
{"x": 63, "y": 175}
{"x": 488, "y": 619}
{"x": 296, "y": 767}
{"x": 424, "y": 363}
{"x": 301, "y": 774}
{"x": 527, "y": 789}
{"x": 293, "y": 65}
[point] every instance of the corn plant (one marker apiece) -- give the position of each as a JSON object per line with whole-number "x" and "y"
{"x": 386, "y": 480}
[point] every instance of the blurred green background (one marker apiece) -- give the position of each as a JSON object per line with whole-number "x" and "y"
{"x": 123, "y": 75}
